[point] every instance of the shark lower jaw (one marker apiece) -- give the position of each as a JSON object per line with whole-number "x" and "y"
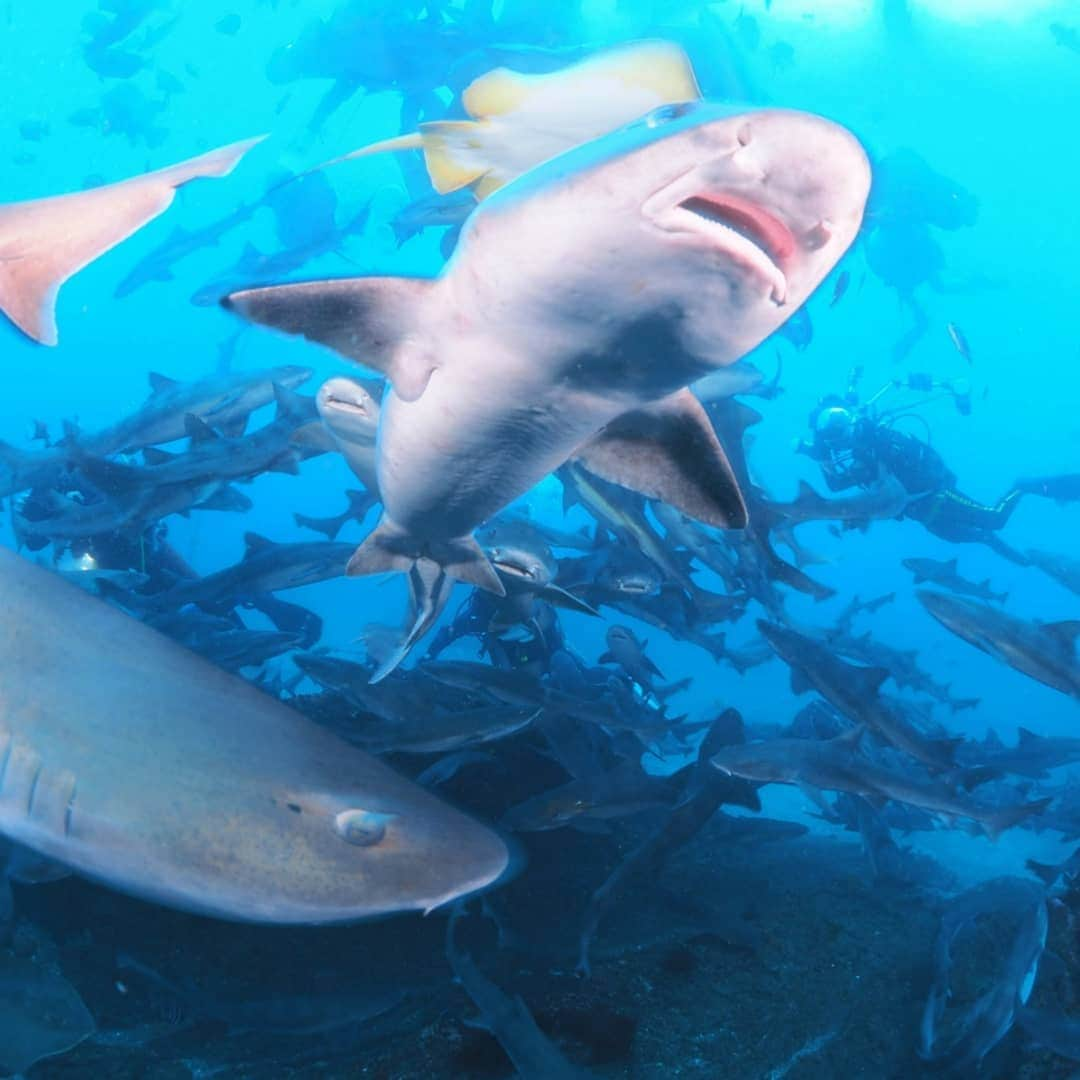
{"x": 738, "y": 229}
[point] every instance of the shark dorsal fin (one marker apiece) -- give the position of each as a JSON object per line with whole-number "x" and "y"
{"x": 850, "y": 740}
{"x": 800, "y": 682}
{"x": 1023, "y": 735}
{"x": 198, "y": 430}
{"x": 1065, "y": 631}
{"x": 871, "y": 678}
{"x": 254, "y": 544}
{"x": 160, "y": 383}
{"x": 153, "y": 456}
{"x": 367, "y": 319}
{"x": 294, "y": 406}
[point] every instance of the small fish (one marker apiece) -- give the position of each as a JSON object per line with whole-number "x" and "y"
{"x": 842, "y": 283}
{"x": 959, "y": 341}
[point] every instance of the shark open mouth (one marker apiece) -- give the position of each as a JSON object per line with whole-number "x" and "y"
{"x": 514, "y": 569}
{"x": 750, "y": 234}
{"x": 344, "y": 405}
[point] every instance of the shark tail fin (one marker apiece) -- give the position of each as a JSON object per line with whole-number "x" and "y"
{"x": 46, "y": 241}
{"x": 390, "y": 549}
{"x": 997, "y": 823}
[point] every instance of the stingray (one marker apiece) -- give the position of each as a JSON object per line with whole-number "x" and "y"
{"x": 41, "y": 1014}
{"x": 142, "y": 766}
{"x": 517, "y": 121}
{"x": 43, "y": 242}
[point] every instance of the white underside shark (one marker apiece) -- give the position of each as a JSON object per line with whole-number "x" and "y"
{"x": 581, "y": 302}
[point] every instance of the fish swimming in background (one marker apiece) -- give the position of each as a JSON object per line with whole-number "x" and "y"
{"x": 655, "y": 255}
{"x": 959, "y": 341}
{"x": 841, "y": 287}
{"x": 517, "y": 121}
{"x": 44, "y": 242}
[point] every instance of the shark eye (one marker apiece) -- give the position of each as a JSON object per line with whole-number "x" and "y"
{"x": 364, "y": 828}
{"x": 668, "y": 112}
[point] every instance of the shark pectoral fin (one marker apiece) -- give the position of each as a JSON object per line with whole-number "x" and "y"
{"x": 314, "y": 436}
{"x": 45, "y": 241}
{"x": 669, "y": 451}
{"x": 1066, "y": 631}
{"x": 365, "y": 319}
{"x": 559, "y": 597}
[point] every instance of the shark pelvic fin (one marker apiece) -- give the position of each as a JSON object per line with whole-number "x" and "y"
{"x": 45, "y": 241}
{"x": 388, "y": 549}
{"x": 365, "y": 319}
{"x": 669, "y": 451}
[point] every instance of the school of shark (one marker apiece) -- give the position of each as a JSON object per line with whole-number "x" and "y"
{"x": 431, "y": 678}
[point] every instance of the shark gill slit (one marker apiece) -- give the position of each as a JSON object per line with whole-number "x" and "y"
{"x": 7, "y": 757}
{"x": 69, "y": 810}
{"x": 33, "y": 790}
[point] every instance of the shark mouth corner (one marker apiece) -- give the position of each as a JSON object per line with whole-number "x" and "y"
{"x": 746, "y": 231}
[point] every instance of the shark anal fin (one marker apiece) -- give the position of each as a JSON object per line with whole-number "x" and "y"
{"x": 365, "y": 319}
{"x": 669, "y": 451}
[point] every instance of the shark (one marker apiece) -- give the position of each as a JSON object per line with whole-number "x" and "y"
{"x": 582, "y": 300}
{"x": 153, "y": 772}
{"x": 43, "y": 242}
{"x": 1045, "y": 651}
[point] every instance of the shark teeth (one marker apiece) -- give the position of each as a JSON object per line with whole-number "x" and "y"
{"x": 748, "y": 233}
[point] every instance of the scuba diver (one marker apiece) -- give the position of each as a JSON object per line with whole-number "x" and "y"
{"x": 856, "y": 444}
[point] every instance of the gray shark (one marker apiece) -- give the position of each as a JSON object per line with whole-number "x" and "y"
{"x": 888, "y": 498}
{"x": 45, "y": 241}
{"x": 148, "y": 769}
{"x": 655, "y": 255}
{"x": 961, "y": 1041}
{"x": 943, "y": 573}
{"x": 350, "y": 415}
{"x": 855, "y": 692}
{"x": 266, "y": 567}
{"x": 837, "y": 765}
{"x": 1061, "y": 568}
{"x": 1042, "y": 651}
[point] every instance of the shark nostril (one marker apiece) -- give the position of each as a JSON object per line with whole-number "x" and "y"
{"x": 743, "y": 135}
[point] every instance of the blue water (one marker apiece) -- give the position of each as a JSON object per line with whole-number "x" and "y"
{"x": 985, "y": 93}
